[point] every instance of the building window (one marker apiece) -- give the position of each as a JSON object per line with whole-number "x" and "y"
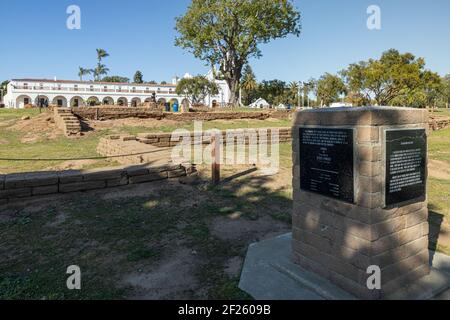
{"x": 91, "y": 88}
{"x": 26, "y": 101}
{"x": 25, "y": 85}
{"x": 75, "y": 103}
{"x": 134, "y": 89}
{"x": 59, "y": 87}
{"x": 41, "y": 86}
{"x": 75, "y": 87}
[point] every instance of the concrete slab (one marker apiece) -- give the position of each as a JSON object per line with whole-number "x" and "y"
{"x": 270, "y": 274}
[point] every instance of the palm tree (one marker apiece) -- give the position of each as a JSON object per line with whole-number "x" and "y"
{"x": 100, "y": 70}
{"x": 101, "y": 53}
{"x": 83, "y": 72}
{"x": 248, "y": 84}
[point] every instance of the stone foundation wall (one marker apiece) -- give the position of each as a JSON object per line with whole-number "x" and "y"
{"x": 439, "y": 123}
{"x": 112, "y": 113}
{"x": 113, "y": 145}
{"x": 14, "y": 187}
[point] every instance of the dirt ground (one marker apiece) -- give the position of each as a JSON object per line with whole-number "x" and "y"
{"x": 150, "y": 241}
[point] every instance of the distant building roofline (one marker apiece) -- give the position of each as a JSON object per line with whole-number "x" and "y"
{"x": 95, "y": 82}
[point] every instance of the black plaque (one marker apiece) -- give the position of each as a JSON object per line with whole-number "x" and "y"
{"x": 326, "y": 162}
{"x": 406, "y": 152}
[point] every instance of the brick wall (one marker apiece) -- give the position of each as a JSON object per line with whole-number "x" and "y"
{"x": 14, "y": 187}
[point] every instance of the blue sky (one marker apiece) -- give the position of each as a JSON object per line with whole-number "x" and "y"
{"x": 139, "y": 35}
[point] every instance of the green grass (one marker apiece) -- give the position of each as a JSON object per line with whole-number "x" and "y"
{"x": 439, "y": 145}
{"x": 11, "y": 114}
{"x": 12, "y": 147}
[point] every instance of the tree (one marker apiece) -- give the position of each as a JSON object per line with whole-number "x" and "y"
{"x": 196, "y": 89}
{"x": 294, "y": 90}
{"x": 249, "y": 85}
{"x": 118, "y": 79}
{"x": 100, "y": 70}
{"x": 3, "y": 89}
{"x": 163, "y": 82}
{"x": 227, "y": 33}
{"x": 152, "y": 82}
{"x": 392, "y": 76}
{"x": 271, "y": 90}
{"x": 138, "y": 77}
{"x": 329, "y": 88}
{"x": 84, "y": 72}
{"x": 101, "y": 53}
{"x": 446, "y": 90}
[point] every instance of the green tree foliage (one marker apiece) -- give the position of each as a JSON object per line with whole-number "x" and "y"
{"x": 226, "y": 33}
{"x": 273, "y": 91}
{"x": 100, "y": 69}
{"x": 249, "y": 86}
{"x": 445, "y": 93}
{"x": 394, "y": 79}
{"x": 3, "y": 87}
{"x": 138, "y": 77}
{"x": 329, "y": 88}
{"x": 84, "y": 72}
{"x": 118, "y": 79}
{"x": 196, "y": 89}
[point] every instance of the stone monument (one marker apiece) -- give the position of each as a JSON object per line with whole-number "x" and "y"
{"x": 359, "y": 180}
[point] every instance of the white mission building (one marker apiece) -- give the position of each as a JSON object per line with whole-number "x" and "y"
{"x": 69, "y": 93}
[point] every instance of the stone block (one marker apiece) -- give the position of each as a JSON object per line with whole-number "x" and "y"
{"x": 15, "y": 193}
{"x": 369, "y": 184}
{"x": 102, "y": 174}
{"x": 368, "y": 134}
{"x": 369, "y": 153}
{"x": 416, "y": 217}
{"x": 176, "y": 173}
{"x": 81, "y": 186}
{"x": 154, "y": 176}
{"x": 368, "y": 168}
{"x": 136, "y": 171}
{"x": 23, "y": 180}
{"x": 396, "y": 270}
{"x": 117, "y": 182}
{"x": 70, "y": 176}
{"x": 37, "y": 191}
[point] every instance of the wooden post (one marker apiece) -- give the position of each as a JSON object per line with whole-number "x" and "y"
{"x": 215, "y": 157}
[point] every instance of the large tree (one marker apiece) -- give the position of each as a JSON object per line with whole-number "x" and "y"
{"x": 329, "y": 88}
{"x": 196, "y": 89}
{"x": 138, "y": 77}
{"x": 118, "y": 79}
{"x": 227, "y": 33}
{"x": 393, "y": 77}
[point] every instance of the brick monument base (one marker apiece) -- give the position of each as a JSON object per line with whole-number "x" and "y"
{"x": 359, "y": 180}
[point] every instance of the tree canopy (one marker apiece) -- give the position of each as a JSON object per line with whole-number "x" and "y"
{"x": 138, "y": 77}
{"x": 329, "y": 88}
{"x": 116, "y": 79}
{"x": 394, "y": 78}
{"x": 196, "y": 89}
{"x": 227, "y": 33}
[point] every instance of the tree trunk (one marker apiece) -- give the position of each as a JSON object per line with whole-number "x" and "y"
{"x": 233, "y": 84}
